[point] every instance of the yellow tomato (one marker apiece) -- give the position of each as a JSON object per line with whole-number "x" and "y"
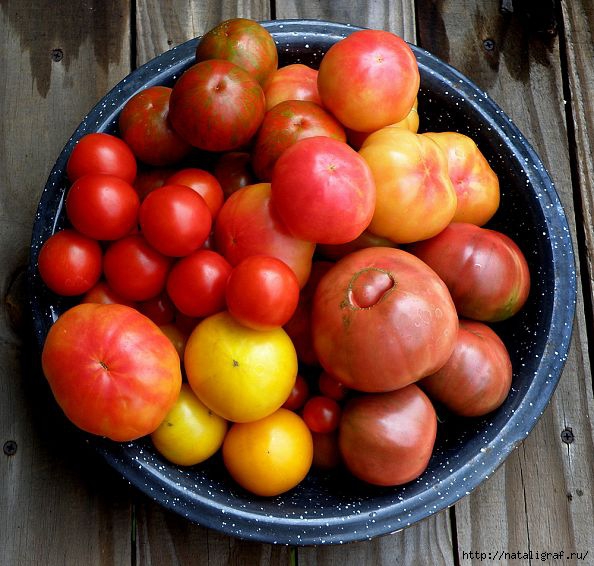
{"x": 415, "y": 196}
{"x": 240, "y": 373}
{"x": 269, "y": 456}
{"x": 476, "y": 184}
{"x": 190, "y": 433}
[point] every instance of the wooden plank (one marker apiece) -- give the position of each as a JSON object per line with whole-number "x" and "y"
{"x": 59, "y": 506}
{"x": 430, "y": 539}
{"x": 531, "y": 503}
{"x": 398, "y": 17}
{"x": 163, "y": 538}
{"x": 162, "y": 25}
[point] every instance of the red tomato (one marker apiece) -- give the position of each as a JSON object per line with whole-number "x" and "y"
{"x": 111, "y": 370}
{"x": 326, "y": 454}
{"x": 387, "y": 438}
{"x": 175, "y": 220}
{"x": 299, "y": 326}
{"x": 134, "y": 269}
{"x": 247, "y": 225}
{"x": 217, "y": 106}
{"x": 285, "y": 124}
{"x": 243, "y": 42}
{"x": 102, "y": 293}
{"x": 292, "y": 82}
{"x": 369, "y": 79}
{"x": 298, "y": 395}
{"x": 149, "y": 179}
{"x": 204, "y": 183}
{"x": 321, "y": 414}
{"x": 382, "y": 319}
{"x": 101, "y": 153}
{"x": 144, "y": 126}
{"x": 159, "y": 309}
{"x": 485, "y": 271}
{"x": 197, "y": 282}
{"x": 233, "y": 171}
{"x": 262, "y": 292}
{"x": 323, "y": 191}
{"x": 477, "y": 377}
{"x": 102, "y": 207}
{"x": 331, "y": 387}
{"x": 70, "y": 263}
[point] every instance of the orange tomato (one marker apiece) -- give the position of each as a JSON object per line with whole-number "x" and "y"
{"x": 415, "y": 198}
{"x": 240, "y": 373}
{"x": 269, "y": 456}
{"x": 190, "y": 433}
{"x": 476, "y": 184}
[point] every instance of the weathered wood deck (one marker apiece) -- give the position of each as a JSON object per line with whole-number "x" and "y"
{"x": 59, "y": 506}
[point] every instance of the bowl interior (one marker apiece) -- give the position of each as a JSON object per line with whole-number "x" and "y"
{"x": 332, "y": 507}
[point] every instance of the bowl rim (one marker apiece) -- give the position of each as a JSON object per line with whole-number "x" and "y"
{"x": 354, "y": 526}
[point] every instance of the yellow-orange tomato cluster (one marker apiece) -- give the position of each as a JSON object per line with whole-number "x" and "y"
{"x": 262, "y": 221}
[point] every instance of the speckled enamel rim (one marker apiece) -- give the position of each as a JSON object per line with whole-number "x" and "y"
{"x": 322, "y": 510}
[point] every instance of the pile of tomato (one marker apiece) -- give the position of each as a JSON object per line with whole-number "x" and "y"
{"x": 305, "y": 298}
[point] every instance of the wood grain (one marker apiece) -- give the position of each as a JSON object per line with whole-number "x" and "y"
{"x": 57, "y": 60}
{"x": 530, "y": 503}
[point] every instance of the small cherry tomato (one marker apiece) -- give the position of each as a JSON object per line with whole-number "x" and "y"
{"x": 321, "y": 414}
{"x": 197, "y": 282}
{"x": 70, "y": 263}
{"x": 190, "y": 433}
{"x": 134, "y": 269}
{"x": 101, "y": 153}
{"x": 175, "y": 220}
{"x": 298, "y": 395}
{"x": 102, "y": 207}
{"x": 204, "y": 183}
{"x": 331, "y": 387}
{"x": 159, "y": 309}
{"x": 262, "y": 292}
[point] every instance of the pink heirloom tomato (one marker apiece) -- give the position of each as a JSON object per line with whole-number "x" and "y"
{"x": 484, "y": 270}
{"x": 382, "y": 319}
{"x": 388, "y": 438}
{"x": 323, "y": 191}
{"x": 477, "y": 377}
{"x": 292, "y": 82}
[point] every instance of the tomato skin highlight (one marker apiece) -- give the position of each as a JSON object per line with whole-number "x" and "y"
{"x": 111, "y": 370}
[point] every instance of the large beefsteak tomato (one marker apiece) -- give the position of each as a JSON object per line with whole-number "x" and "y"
{"x": 382, "y": 319}
{"x": 111, "y": 370}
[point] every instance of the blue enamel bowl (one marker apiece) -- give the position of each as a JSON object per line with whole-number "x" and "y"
{"x": 330, "y": 508}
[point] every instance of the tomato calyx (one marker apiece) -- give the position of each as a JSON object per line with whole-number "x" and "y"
{"x": 368, "y": 287}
